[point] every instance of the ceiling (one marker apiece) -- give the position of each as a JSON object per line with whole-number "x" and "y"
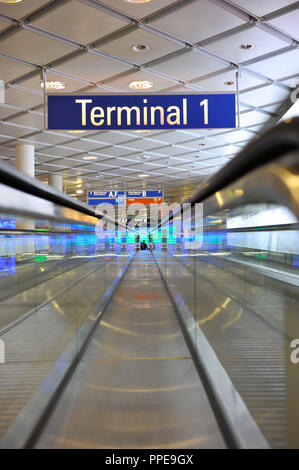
{"x": 193, "y": 46}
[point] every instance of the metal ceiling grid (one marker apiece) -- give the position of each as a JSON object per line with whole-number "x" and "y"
{"x": 87, "y": 44}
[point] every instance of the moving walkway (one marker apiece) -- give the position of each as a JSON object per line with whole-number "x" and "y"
{"x": 188, "y": 348}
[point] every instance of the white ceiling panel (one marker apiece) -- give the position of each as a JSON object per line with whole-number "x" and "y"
{"x": 32, "y": 141}
{"x": 49, "y": 138}
{"x": 292, "y": 82}
{"x": 84, "y": 24}
{"x": 253, "y": 117}
{"x": 171, "y": 150}
{"x": 188, "y": 66}
{"x": 21, "y": 98}
{"x": 230, "y": 47}
{"x": 236, "y": 136}
{"x": 70, "y": 162}
{"x": 34, "y": 47}
{"x": 6, "y": 111}
{"x": 83, "y": 145}
{"x": 11, "y": 69}
{"x": 92, "y": 67}
{"x": 190, "y": 156}
{"x": 142, "y": 144}
{"x": 172, "y": 137}
{"x": 217, "y": 83}
{"x": 264, "y": 96}
{"x": 3, "y": 25}
{"x": 111, "y": 137}
{"x": 140, "y": 10}
{"x": 123, "y": 83}
{"x": 214, "y": 162}
{"x": 197, "y": 21}
{"x": 122, "y": 47}
{"x": 228, "y": 149}
{"x": 262, "y": 7}
{"x": 278, "y": 67}
{"x": 19, "y": 10}
{"x": 12, "y": 131}
{"x": 34, "y": 83}
{"x": 29, "y": 119}
{"x": 56, "y": 152}
{"x": 116, "y": 151}
{"x": 288, "y": 23}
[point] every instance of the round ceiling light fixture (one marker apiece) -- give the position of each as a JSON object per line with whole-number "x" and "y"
{"x": 53, "y": 85}
{"x": 141, "y": 84}
{"x": 140, "y": 48}
{"x": 76, "y": 132}
{"x": 142, "y": 131}
{"x": 90, "y": 157}
{"x": 143, "y": 175}
{"x": 79, "y": 191}
{"x": 138, "y": 1}
{"x": 246, "y": 47}
{"x": 143, "y": 157}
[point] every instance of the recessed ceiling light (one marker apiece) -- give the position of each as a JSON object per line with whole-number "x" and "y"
{"x": 11, "y": 1}
{"x": 143, "y": 157}
{"x": 229, "y": 83}
{"x": 76, "y": 132}
{"x": 141, "y": 84}
{"x": 79, "y": 191}
{"x": 140, "y": 48}
{"x": 143, "y": 175}
{"x": 246, "y": 47}
{"x": 90, "y": 157}
{"x": 142, "y": 131}
{"x": 53, "y": 85}
{"x": 138, "y": 1}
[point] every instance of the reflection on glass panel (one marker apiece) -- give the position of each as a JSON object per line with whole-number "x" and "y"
{"x": 242, "y": 287}
{"x": 53, "y": 276}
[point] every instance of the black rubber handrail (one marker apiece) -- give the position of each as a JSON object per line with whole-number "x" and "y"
{"x": 270, "y": 146}
{"x": 278, "y": 141}
{"x": 14, "y": 178}
{"x": 273, "y": 144}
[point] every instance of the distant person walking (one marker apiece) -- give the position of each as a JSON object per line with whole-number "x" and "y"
{"x": 143, "y": 245}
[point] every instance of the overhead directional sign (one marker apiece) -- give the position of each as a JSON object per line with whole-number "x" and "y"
{"x": 110, "y": 197}
{"x": 143, "y": 193}
{"x": 144, "y": 197}
{"x": 127, "y": 112}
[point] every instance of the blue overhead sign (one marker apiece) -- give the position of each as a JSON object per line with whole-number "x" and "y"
{"x": 102, "y": 197}
{"x": 127, "y": 112}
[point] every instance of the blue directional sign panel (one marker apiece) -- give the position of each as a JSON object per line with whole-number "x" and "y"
{"x": 110, "y": 197}
{"x": 127, "y": 112}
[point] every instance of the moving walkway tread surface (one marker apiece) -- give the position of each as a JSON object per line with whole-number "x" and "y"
{"x": 33, "y": 345}
{"x": 250, "y": 323}
{"x": 136, "y": 385}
